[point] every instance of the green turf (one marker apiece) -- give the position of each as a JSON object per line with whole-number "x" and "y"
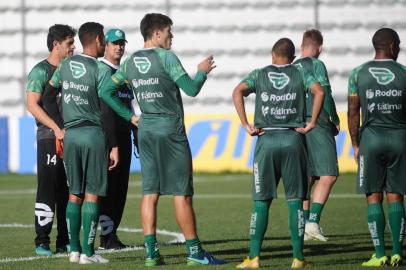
{"x": 222, "y": 205}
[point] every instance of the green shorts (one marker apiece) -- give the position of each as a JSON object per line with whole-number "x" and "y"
{"x": 382, "y": 160}
{"x": 322, "y": 152}
{"x": 280, "y": 153}
{"x": 165, "y": 156}
{"x": 86, "y": 160}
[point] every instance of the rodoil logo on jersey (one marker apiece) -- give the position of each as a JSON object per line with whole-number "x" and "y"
{"x": 142, "y": 64}
{"x": 382, "y": 75}
{"x": 141, "y": 82}
{"x": 272, "y": 97}
{"x": 370, "y": 94}
{"x": 76, "y": 86}
{"x": 78, "y": 69}
{"x": 278, "y": 80}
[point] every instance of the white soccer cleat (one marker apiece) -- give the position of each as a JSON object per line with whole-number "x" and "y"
{"x": 74, "y": 256}
{"x": 307, "y": 237}
{"x": 313, "y": 231}
{"x": 95, "y": 258}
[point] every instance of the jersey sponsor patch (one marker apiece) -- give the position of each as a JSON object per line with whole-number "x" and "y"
{"x": 66, "y": 98}
{"x": 142, "y": 64}
{"x": 278, "y": 80}
{"x": 383, "y": 76}
{"x": 78, "y": 69}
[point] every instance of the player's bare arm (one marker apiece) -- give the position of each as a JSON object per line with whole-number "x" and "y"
{"x": 353, "y": 116}
{"x": 33, "y": 100}
{"x": 318, "y": 98}
{"x": 238, "y": 98}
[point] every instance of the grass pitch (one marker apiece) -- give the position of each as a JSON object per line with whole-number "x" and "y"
{"x": 222, "y": 203}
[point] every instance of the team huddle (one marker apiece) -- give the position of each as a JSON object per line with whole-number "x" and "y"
{"x": 86, "y": 104}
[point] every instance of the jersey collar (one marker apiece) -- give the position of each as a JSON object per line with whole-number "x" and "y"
{"x": 285, "y": 65}
{"x": 88, "y": 56}
{"x": 384, "y": 60}
{"x": 107, "y": 62}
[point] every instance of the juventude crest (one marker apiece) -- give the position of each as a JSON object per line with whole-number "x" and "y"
{"x": 382, "y": 75}
{"x": 278, "y": 80}
{"x": 78, "y": 69}
{"x": 142, "y": 63}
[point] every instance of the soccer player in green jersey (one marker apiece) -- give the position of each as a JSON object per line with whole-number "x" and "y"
{"x": 321, "y": 145}
{"x": 378, "y": 89}
{"x": 52, "y": 191}
{"x": 156, "y": 74}
{"x": 279, "y": 121}
{"x": 85, "y": 149}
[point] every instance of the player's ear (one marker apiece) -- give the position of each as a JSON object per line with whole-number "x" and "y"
{"x": 320, "y": 49}
{"x": 55, "y": 43}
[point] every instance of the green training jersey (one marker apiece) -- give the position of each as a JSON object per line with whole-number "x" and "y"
{"x": 381, "y": 86}
{"x": 36, "y": 81}
{"x": 328, "y": 114}
{"x": 152, "y": 74}
{"x": 80, "y": 80}
{"x": 280, "y": 95}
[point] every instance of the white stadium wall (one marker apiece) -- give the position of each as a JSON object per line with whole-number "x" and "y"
{"x": 239, "y": 33}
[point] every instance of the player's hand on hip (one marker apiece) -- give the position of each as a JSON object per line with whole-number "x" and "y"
{"x": 337, "y": 130}
{"x": 134, "y": 120}
{"x": 309, "y": 126}
{"x": 253, "y": 131}
{"x": 207, "y": 64}
{"x": 113, "y": 158}
{"x": 356, "y": 153}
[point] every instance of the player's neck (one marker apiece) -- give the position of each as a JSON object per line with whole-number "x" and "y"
{"x": 112, "y": 60}
{"x": 382, "y": 55}
{"x": 54, "y": 59}
{"x": 90, "y": 51}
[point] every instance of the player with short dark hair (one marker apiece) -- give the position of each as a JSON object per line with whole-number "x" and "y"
{"x": 321, "y": 145}
{"x": 85, "y": 146}
{"x": 279, "y": 121}
{"x": 378, "y": 89}
{"x": 156, "y": 74}
{"x": 52, "y": 191}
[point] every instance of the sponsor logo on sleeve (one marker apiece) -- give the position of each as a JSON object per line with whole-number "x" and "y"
{"x": 78, "y": 69}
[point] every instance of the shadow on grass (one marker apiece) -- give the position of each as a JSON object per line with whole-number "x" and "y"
{"x": 338, "y": 246}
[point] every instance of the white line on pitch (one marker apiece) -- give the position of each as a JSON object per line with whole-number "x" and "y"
{"x": 178, "y": 238}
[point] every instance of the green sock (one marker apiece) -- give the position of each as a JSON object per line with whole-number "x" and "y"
{"x": 296, "y": 227}
{"x": 90, "y": 220}
{"x": 315, "y": 212}
{"x": 376, "y": 225}
{"x": 258, "y": 226}
{"x": 194, "y": 248}
{"x": 73, "y": 220}
{"x": 151, "y": 246}
{"x": 306, "y": 214}
{"x": 396, "y": 224}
